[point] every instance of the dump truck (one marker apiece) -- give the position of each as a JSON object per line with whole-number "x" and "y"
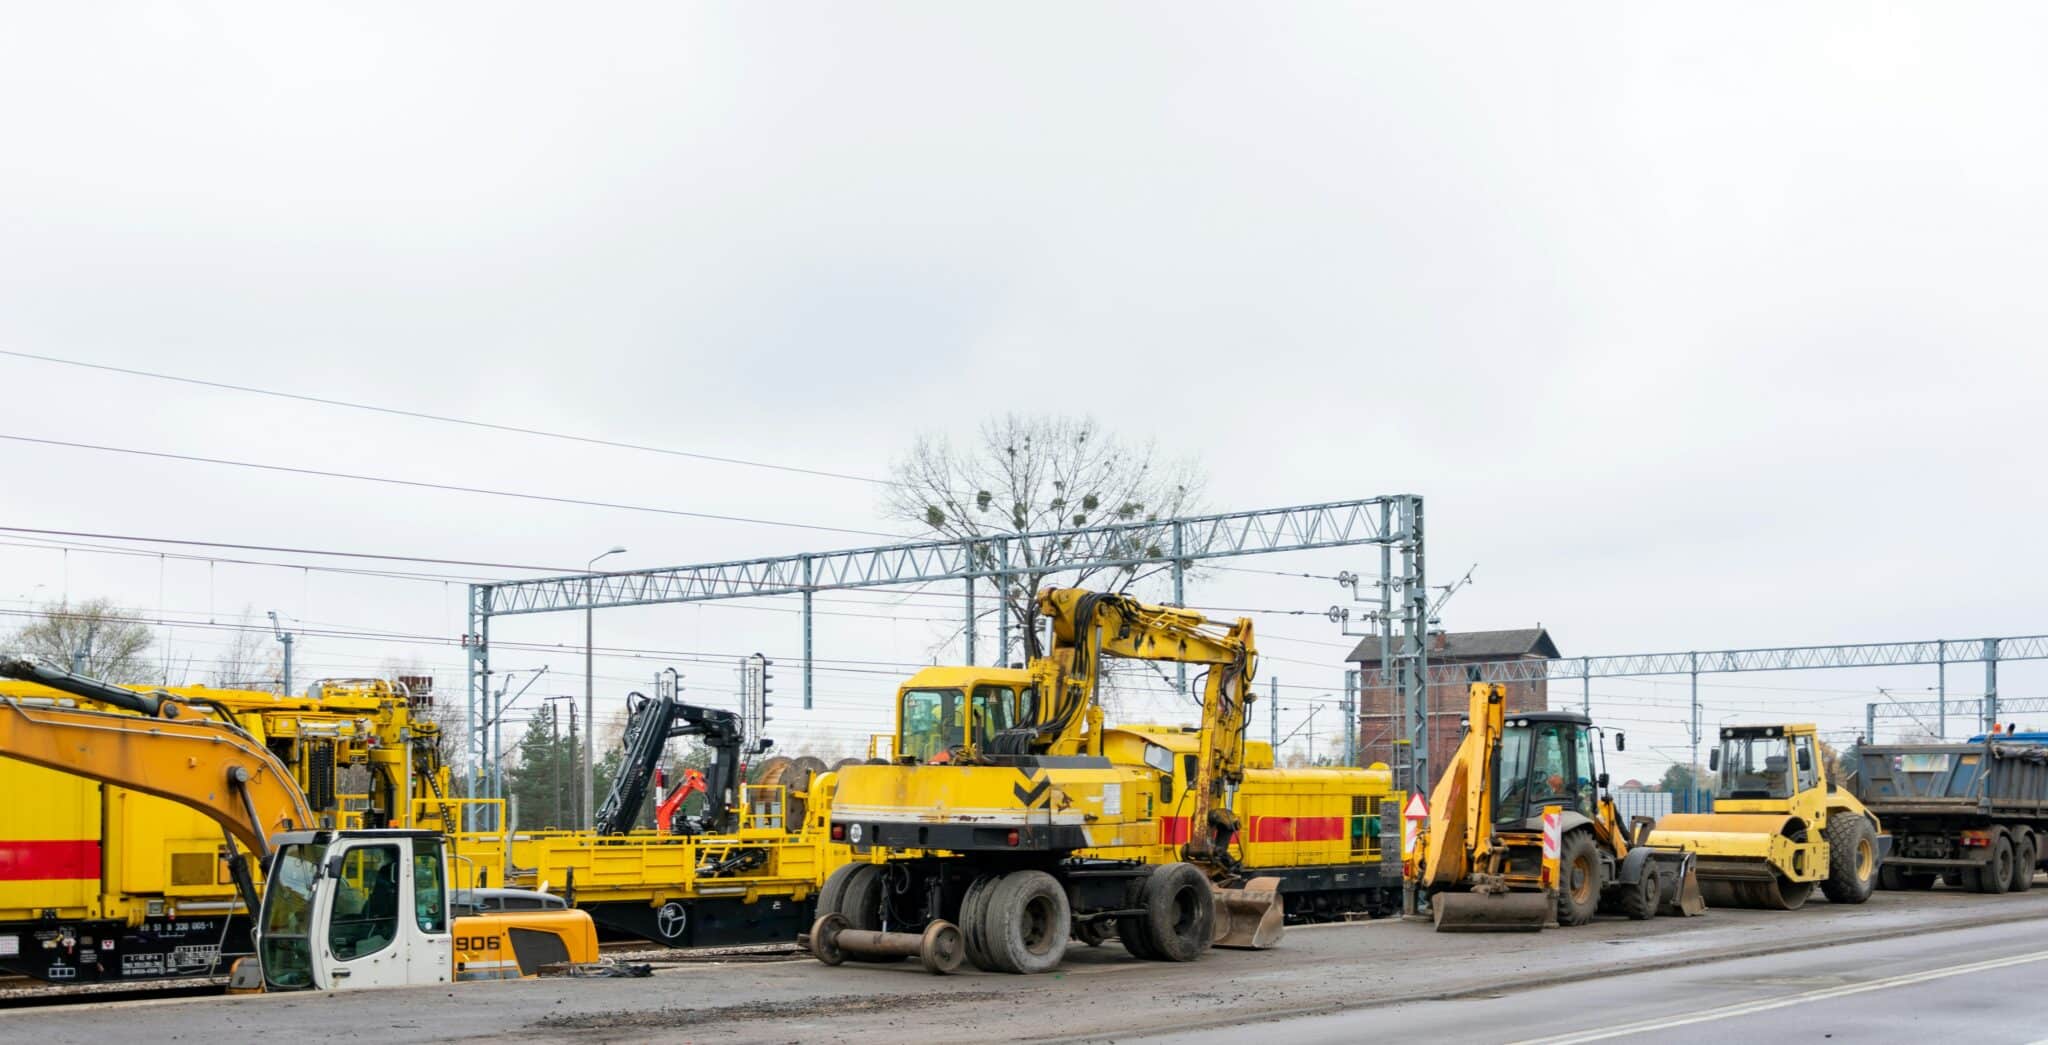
{"x": 1484, "y": 862}
{"x": 1974, "y": 814}
{"x": 1780, "y": 825}
{"x": 339, "y": 909}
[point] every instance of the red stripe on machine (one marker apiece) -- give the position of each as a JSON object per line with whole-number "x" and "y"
{"x": 46, "y": 859}
{"x": 1296, "y": 828}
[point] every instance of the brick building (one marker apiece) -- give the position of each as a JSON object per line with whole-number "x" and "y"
{"x": 1379, "y": 702}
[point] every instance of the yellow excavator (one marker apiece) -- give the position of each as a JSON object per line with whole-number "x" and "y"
{"x": 1000, "y": 818}
{"x": 337, "y": 909}
{"x": 1780, "y": 825}
{"x": 1484, "y": 861}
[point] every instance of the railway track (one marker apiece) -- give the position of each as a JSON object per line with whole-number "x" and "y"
{"x": 24, "y": 992}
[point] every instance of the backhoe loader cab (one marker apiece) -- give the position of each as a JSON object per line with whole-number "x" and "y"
{"x": 1546, "y": 759}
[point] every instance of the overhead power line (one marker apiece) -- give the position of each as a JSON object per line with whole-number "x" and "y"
{"x": 443, "y": 419}
{"x": 449, "y": 487}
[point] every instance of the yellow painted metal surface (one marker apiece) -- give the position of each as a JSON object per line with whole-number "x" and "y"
{"x": 82, "y": 850}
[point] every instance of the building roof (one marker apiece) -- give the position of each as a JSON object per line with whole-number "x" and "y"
{"x": 1472, "y": 646}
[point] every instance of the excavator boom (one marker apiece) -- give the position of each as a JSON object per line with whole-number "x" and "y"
{"x": 198, "y": 762}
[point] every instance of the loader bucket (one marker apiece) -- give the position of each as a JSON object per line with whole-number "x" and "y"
{"x": 1251, "y": 918}
{"x": 1493, "y": 912}
{"x": 1678, "y": 883}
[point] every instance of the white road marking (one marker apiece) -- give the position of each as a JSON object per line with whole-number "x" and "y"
{"x": 1747, "y": 1008}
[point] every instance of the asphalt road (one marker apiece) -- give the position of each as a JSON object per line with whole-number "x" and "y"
{"x": 1979, "y": 984}
{"x": 1322, "y": 983}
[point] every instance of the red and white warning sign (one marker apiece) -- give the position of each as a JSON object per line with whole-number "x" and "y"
{"x": 1411, "y": 822}
{"x": 1552, "y": 820}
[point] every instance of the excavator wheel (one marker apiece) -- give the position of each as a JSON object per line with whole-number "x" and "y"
{"x": 1579, "y": 882}
{"x": 972, "y": 908}
{"x": 1130, "y": 928}
{"x": 1852, "y": 859}
{"x": 1026, "y": 922}
{"x": 1180, "y": 912}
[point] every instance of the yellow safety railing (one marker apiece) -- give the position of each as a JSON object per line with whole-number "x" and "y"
{"x": 479, "y": 855}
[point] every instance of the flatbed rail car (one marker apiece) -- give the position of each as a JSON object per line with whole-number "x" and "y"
{"x": 102, "y": 884}
{"x": 1974, "y": 814}
{"x": 1316, "y": 829}
{"x": 755, "y": 884}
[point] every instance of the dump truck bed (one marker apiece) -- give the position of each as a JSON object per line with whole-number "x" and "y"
{"x": 1993, "y": 779}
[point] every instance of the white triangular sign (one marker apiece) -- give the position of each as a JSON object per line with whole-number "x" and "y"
{"x": 1417, "y": 808}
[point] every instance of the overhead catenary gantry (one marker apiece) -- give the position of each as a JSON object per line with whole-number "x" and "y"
{"x": 1394, "y": 523}
{"x": 1937, "y": 652}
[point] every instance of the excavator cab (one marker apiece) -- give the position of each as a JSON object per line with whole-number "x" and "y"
{"x": 350, "y": 909}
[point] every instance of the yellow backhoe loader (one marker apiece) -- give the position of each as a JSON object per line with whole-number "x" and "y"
{"x": 1482, "y": 861}
{"x": 1779, "y": 826}
{"x": 338, "y": 909}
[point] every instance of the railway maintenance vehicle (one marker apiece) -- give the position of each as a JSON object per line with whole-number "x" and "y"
{"x": 339, "y": 908}
{"x": 1009, "y": 811}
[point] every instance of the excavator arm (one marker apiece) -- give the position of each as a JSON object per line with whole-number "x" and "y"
{"x": 195, "y": 762}
{"x": 1087, "y": 625}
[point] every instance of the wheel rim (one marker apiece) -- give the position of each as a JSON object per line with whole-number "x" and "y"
{"x": 1866, "y": 858}
{"x": 1038, "y": 925}
{"x": 1580, "y": 880}
{"x": 1184, "y": 912}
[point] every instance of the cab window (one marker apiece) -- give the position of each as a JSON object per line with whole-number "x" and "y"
{"x": 1809, "y": 774}
{"x": 365, "y": 916}
{"x": 1552, "y": 779}
{"x": 429, "y": 901}
{"x": 995, "y": 710}
{"x": 934, "y": 720}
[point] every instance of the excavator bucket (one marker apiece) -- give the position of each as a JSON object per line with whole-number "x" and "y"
{"x": 1494, "y": 912}
{"x": 1251, "y": 918}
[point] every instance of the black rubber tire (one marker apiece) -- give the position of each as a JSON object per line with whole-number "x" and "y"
{"x": 1026, "y": 922}
{"x": 834, "y": 890}
{"x": 1852, "y": 859}
{"x": 972, "y": 908}
{"x": 1579, "y": 879}
{"x": 2024, "y": 856}
{"x": 1891, "y": 879}
{"x": 1639, "y": 902}
{"x": 1959, "y": 879}
{"x": 860, "y": 902}
{"x": 1130, "y": 929}
{"x": 1995, "y": 876}
{"x": 1180, "y": 913}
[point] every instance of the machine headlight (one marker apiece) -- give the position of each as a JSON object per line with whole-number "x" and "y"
{"x": 853, "y": 834}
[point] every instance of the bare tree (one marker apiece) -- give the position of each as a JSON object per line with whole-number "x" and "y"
{"x": 93, "y": 637}
{"x": 1036, "y": 474}
{"x": 252, "y": 659}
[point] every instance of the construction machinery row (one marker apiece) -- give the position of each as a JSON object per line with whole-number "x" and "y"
{"x": 1003, "y": 820}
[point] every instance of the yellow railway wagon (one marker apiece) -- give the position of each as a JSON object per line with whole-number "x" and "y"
{"x": 101, "y": 883}
{"x": 755, "y": 885}
{"x": 1316, "y": 829}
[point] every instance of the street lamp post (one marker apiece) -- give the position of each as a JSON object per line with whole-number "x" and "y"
{"x": 588, "y": 818}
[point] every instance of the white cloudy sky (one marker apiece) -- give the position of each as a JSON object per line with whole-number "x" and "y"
{"x": 1699, "y": 326}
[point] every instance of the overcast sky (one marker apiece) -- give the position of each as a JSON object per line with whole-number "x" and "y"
{"x": 1698, "y": 325}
